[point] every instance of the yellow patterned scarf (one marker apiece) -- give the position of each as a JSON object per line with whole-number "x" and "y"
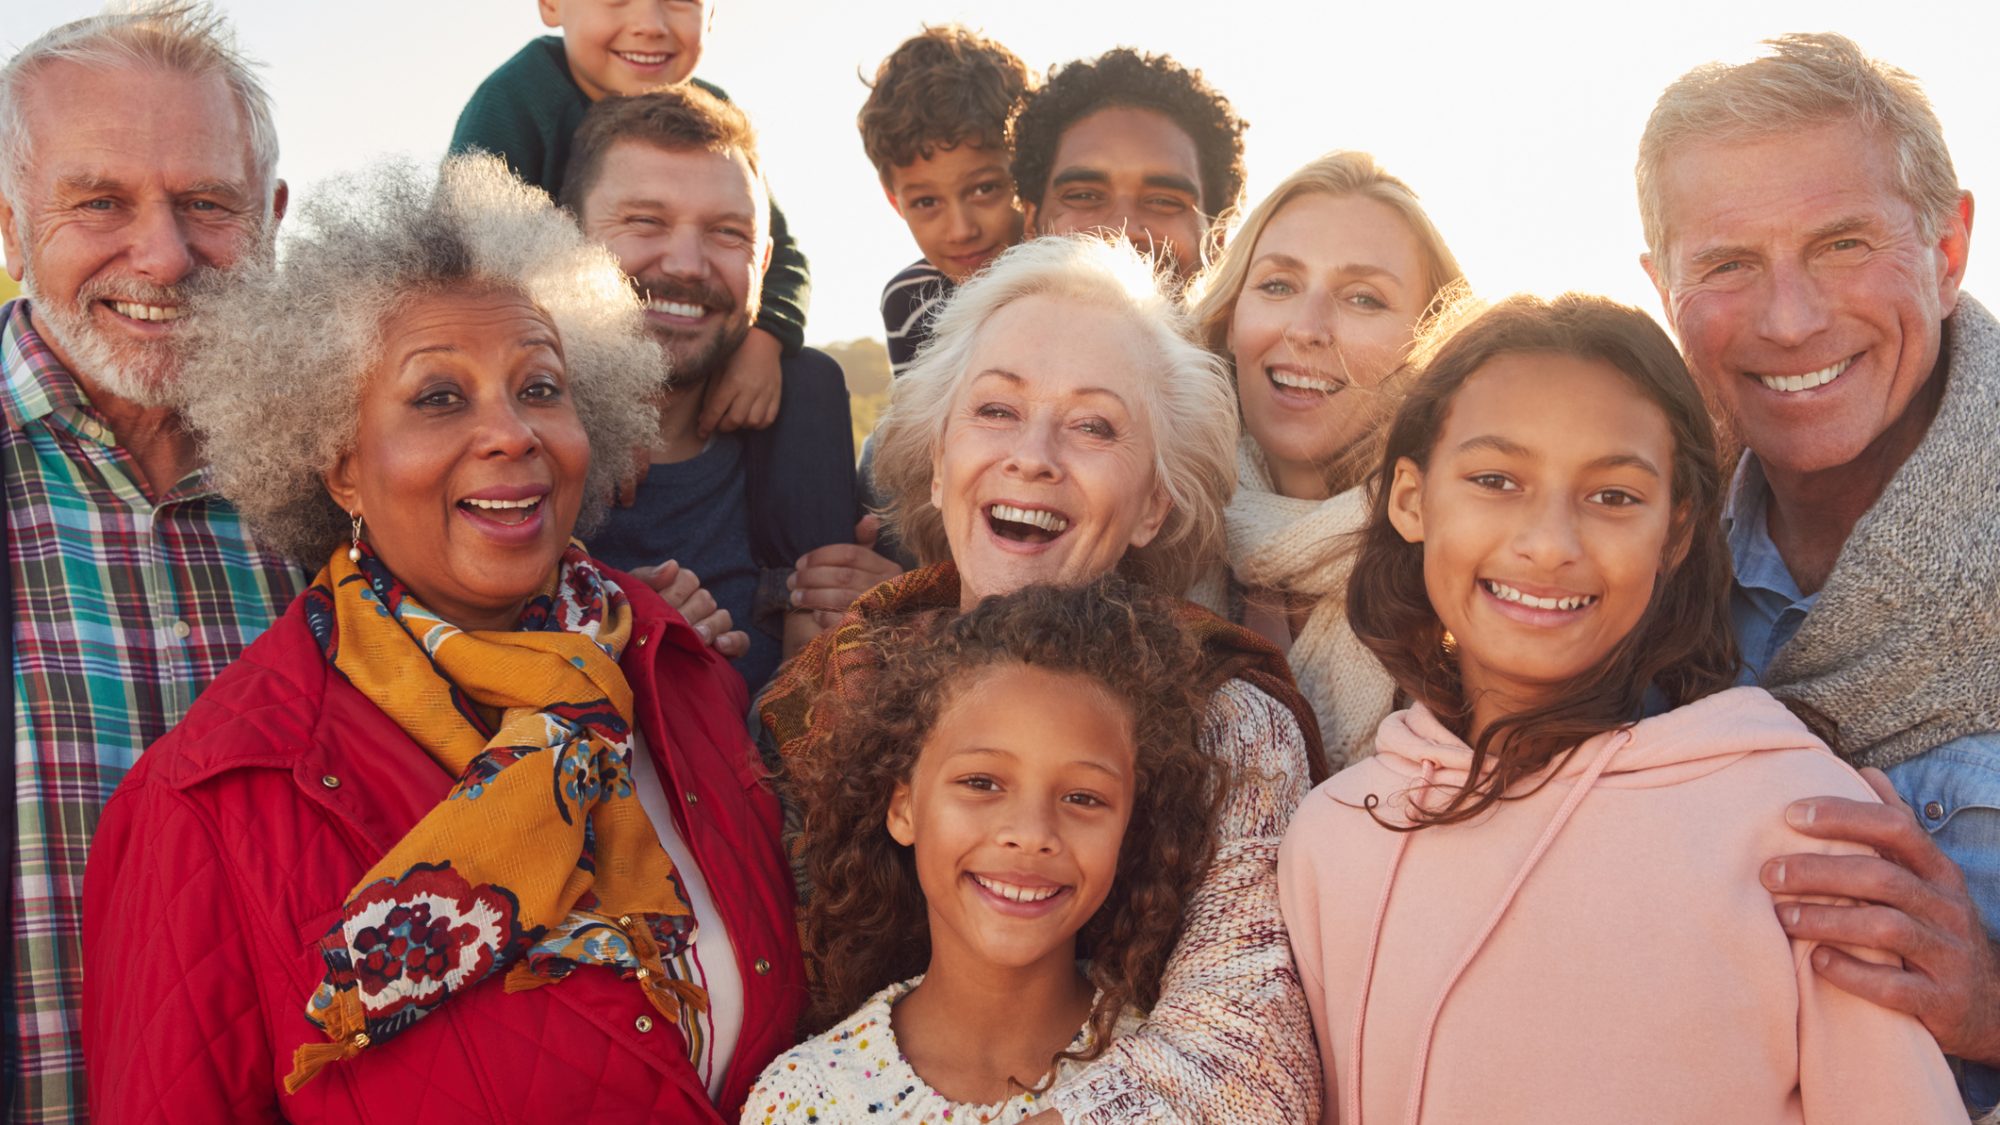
{"x": 540, "y": 858}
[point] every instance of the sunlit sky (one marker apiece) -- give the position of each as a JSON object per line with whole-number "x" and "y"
{"x": 1516, "y": 123}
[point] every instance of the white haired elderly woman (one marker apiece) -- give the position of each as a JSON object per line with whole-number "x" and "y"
{"x": 473, "y": 833}
{"x": 1060, "y": 425}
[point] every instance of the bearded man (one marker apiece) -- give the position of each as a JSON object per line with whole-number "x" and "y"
{"x": 670, "y": 182}
{"x": 137, "y": 155}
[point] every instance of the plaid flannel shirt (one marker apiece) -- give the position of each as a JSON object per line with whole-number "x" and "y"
{"x": 124, "y": 610}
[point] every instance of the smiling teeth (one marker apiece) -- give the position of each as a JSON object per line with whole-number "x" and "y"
{"x": 148, "y": 312}
{"x": 1013, "y": 893}
{"x": 1302, "y": 382}
{"x": 1509, "y": 594}
{"x": 641, "y": 58}
{"x": 505, "y": 504}
{"x": 676, "y": 308}
{"x": 1791, "y": 383}
{"x": 1047, "y": 521}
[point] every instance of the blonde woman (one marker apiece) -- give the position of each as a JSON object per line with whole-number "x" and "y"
{"x": 1314, "y": 307}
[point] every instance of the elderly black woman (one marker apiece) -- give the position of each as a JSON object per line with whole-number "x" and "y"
{"x": 474, "y": 832}
{"x": 1062, "y": 424}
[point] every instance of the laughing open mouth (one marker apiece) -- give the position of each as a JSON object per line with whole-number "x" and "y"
{"x": 138, "y": 311}
{"x": 1025, "y": 525}
{"x": 504, "y": 511}
{"x": 1015, "y": 892}
{"x": 1299, "y": 381}
{"x": 1792, "y": 384}
{"x": 686, "y": 309}
{"x": 1508, "y": 593}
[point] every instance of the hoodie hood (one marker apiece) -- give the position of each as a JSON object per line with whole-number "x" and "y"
{"x": 1686, "y": 742}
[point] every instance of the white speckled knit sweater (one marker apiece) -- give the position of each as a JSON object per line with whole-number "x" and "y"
{"x": 856, "y": 1072}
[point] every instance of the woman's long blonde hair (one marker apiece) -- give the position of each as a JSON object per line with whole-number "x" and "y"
{"x": 1212, "y": 296}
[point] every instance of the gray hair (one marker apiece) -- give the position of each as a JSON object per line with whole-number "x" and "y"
{"x": 176, "y": 37}
{"x": 1189, "y": 403}
{"x": 275, "y": 355}
{"x": 1805, "y": 80}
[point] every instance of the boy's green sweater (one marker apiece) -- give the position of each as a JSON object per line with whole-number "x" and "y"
{"x": 527, "y": 111}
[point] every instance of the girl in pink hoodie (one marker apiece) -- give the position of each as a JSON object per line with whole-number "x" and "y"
{"x": 1533, "y": 904}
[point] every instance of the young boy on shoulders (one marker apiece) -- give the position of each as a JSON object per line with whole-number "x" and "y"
{"x": 938, "y": 126}
{"x": 528, "y": 110}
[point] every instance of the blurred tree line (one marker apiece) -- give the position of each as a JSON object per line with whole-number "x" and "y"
{"x": 865, "y": 363}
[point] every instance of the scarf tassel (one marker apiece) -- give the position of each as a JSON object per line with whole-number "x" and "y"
{"x": 347, "y": 1040}
{"x": 668, "y": 995}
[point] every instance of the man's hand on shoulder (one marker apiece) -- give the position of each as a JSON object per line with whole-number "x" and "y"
{"x": 1911, "y": 902}
{"x": 681, "y": 589}
{"x": 828, "y": 579}
{"x": 745, "y": 396}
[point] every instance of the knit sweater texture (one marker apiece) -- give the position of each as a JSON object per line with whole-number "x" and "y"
{"x": 1299, "y": 548}
{"x": 1902, "y": 648}
{"x": 856, "y": 1072}
{"x": 1230, "y": 1039}
{"x": 528, "y": 111}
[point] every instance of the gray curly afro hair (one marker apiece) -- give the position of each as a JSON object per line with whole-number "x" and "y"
{"x": 275, "y": 355}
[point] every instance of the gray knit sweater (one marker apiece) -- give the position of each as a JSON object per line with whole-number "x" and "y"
{"x": 1902, "y": 649}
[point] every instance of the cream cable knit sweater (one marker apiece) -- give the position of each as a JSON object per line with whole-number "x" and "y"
{"x": 1295, "y": 546}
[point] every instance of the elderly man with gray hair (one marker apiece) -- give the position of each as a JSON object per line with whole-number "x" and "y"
{"x": 137, "y": 152}
{"x": 1808, "y": 235}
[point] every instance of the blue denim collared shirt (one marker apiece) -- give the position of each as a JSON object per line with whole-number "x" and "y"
{"x": 1955, "y": 788}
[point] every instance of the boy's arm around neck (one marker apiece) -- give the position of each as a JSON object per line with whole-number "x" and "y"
{"x": 787, "y": 282}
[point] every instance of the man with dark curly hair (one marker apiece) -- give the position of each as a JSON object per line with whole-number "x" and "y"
{"x": 1133, "y": 143}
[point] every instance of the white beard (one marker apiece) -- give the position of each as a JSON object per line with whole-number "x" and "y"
{"x": 142, "y": 374}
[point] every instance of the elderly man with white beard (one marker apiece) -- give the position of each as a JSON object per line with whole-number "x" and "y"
{"x": 137, "y": 154}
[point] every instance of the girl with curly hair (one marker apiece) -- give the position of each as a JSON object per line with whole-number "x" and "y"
{"x": 1018, "y": 792}
{"x": 1539, "y": 899}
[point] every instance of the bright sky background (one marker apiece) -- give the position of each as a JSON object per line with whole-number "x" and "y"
{"x": 1517, "y": 123}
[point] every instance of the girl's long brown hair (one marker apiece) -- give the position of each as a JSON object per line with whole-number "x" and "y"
{"x": 1684, "y": 644}
{"x": 866, "y": 926}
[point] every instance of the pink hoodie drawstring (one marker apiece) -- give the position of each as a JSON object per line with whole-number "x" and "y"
{"x": 1350, "y": 1101}
{"x": 1549, "y": 834}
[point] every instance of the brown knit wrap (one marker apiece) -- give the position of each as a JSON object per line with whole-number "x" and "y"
{"x": 838, "y": 664}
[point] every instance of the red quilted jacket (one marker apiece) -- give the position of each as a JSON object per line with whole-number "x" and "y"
{"x": 226, "y": 855}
